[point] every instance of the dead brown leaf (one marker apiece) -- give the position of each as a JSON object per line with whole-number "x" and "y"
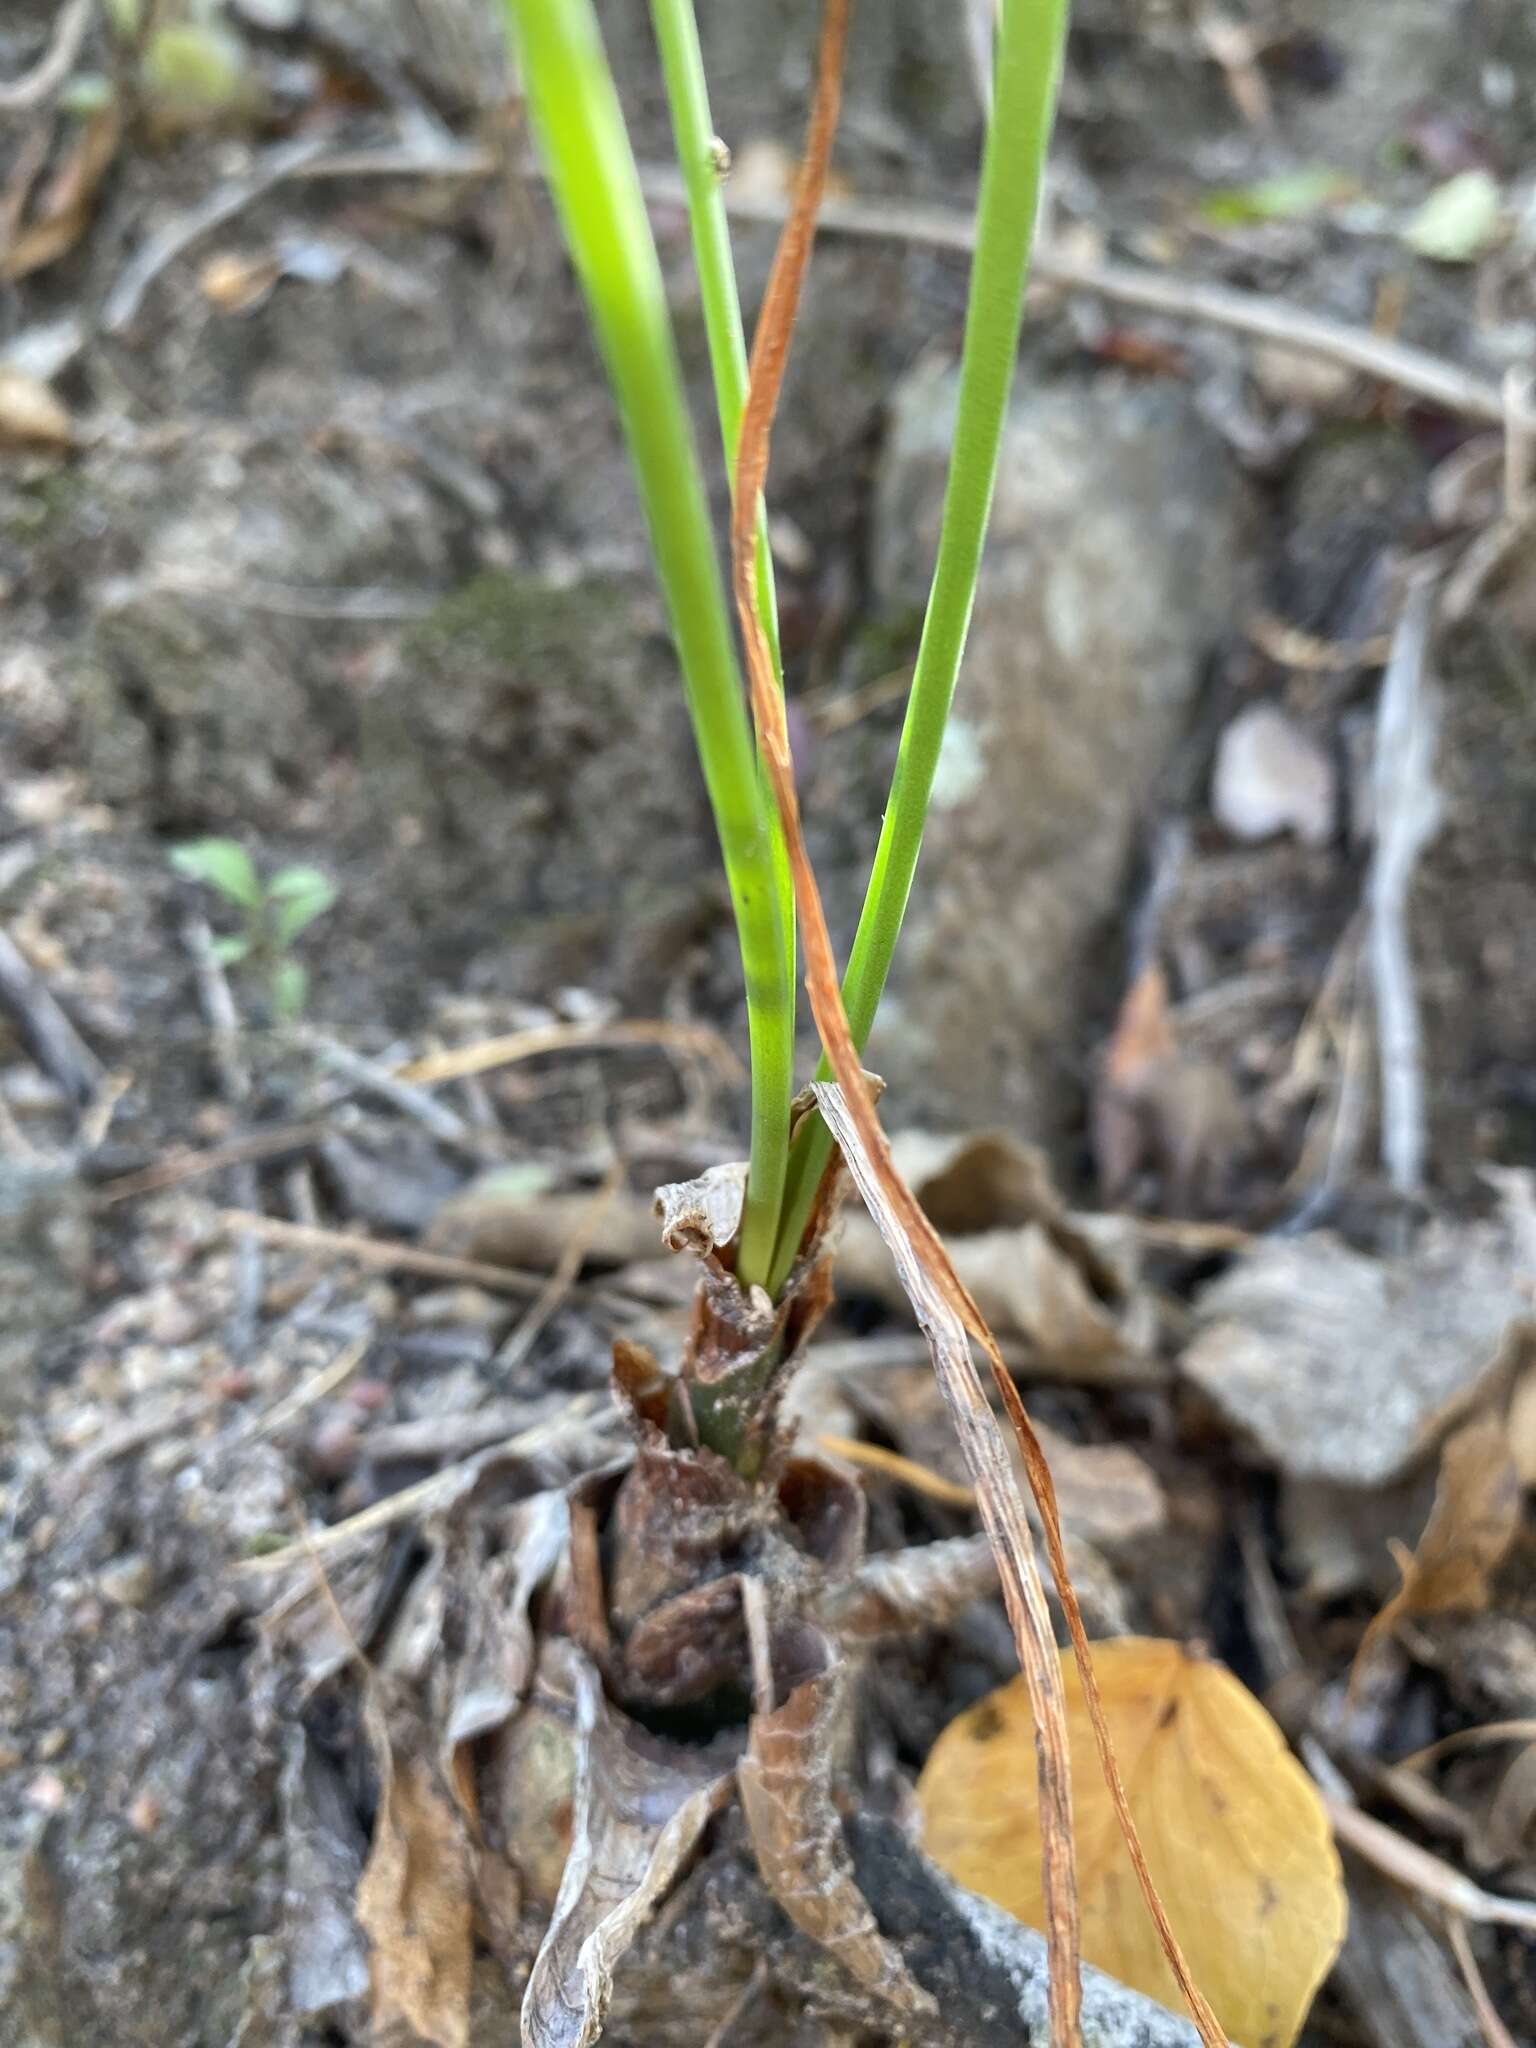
{"x": 414, "y": 1901}
{"x": 1238, "y": 1838}
{"x": 30, "y": 415}
{"x": 1156, "y": 1109}
{"x": 786, "y": 1792}
{"x": 60, "y": 212}
{"x": 1471, "y": 1525}
{"x": 1347, "y": 1367}
{"x": 641, "y": 1806}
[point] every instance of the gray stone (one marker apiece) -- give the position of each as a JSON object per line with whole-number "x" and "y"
{"x": 1117, "y": 561}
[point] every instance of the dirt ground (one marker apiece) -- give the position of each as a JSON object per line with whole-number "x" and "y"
{"x": 1212, "y": 1050}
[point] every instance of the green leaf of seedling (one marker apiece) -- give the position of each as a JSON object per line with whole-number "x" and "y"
{"x": 1459, "y": 221}
{"x": 221, "y": 864}
{"x": 231, "y": 949}
{"x": 1291, "y": 195}
{"x": 290, "y": 987}
{"x": 297, "y": 896}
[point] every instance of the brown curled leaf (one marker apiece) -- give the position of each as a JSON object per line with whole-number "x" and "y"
{"x": 897, "y": 1592}
{"x": 786, "y": 1793}
{"x": 1475, "y": 1518}
{"x": 641, "y": 1806}
{"x": 414, "y": 1901}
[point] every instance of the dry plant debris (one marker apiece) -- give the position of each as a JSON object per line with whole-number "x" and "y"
{"x": 1346, "y": 1367}
{"x": 1235, "y": 1832}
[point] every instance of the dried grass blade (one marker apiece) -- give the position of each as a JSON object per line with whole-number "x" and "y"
{"x": 913, "y": 1243}
{"x": 942, "y": 1304}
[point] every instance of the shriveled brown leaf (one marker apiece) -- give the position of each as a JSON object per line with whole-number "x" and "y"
{"x": 786, "y": 1794}
{"x": 494, "y": 1670}
{"x": 1347, "y": 1367}
{"x": 1156, "y": 1108}
{"x": 30, "y": 415}
{"x": 414, "y": 1901}
{"x": 61, "y": 211}
{"x": 1237, "y": 1834}
{"x": 1470, "y": 1528}
{"x": 927, "y": 1585}
{"x": 641, "y": 1806}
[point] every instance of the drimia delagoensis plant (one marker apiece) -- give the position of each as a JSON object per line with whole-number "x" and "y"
{"x": 723, "y": 1569}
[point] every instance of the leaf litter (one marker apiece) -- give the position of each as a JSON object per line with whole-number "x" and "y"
{"x": 1237, "y": 1836}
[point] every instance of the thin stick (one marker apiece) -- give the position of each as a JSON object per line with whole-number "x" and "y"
{"x": 1252, "y": 314}
{"x": 315, "y": 1387}
{"x": 563, "y": 1277}
{"x": 54, "y": 66}
{"x": 457, "y": 1063}
{"x": 1407, "y": 811}
{"x": 1423, "y": 1872}
{"x": 385, "y": 1257}
{"x": 177, "y": 236}
{"x": 410, "y": 1500}
{"x": 387, "y": 1085}
{"x": 1495, "y": 2033}
{"x": 43, "y": 1028}
{"x": 184, "y": 1166}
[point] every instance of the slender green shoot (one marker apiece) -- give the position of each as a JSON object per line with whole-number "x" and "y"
{"x": 682, "y": 65}
{"x": 1030, "y": 40}
{"x": 580, "y": 133}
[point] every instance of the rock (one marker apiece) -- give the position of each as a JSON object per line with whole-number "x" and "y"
{"x": 1271, "y": 777}
{"x": 1116, "y": 563}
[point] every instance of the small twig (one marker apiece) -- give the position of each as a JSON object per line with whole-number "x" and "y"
{"x": 488, "y": 1054}
{"x": 184, "y": 1166}
{"x": 44, "y": 1029}
{"x": 1519, "y": 440}
{"x": 161, "y": 250}
{"x": 562, "y": 1277}
{"x": 219, "y": 1012}
{"x": 54, "y": 66}
{"x": 383, "y": 1256}
{"x": 426, "y": 1493}
{"x": 370, "y": 1078}
{"x": 1409, "y": 369}
{"x": 1407, "y": 812}
{"x": 315, "y": 1387}
{"x": 1181, "y": 298}
{"x": 1419, "y": 1869}
{"x": 1495, "y": 2033}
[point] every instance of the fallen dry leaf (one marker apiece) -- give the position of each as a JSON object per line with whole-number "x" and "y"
{"x": 641, "y": 1806}
{"x": 30, "y": 415}
{"x": 786, "y": 1794}
{"x": 414, "y": 1899}
{"x": 1470, "y": 1527}
{"x": 1156, "y": 1109}
{"x": 50, "y": 227}
{"x": 1346, "y": 1367}
{"x": 1235, "y": 1832}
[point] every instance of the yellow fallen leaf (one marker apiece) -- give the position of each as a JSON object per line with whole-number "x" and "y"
{"x": 1234, "y": 1830}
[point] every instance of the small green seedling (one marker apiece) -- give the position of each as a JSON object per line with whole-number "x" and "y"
{"x": 274, "y": 913}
